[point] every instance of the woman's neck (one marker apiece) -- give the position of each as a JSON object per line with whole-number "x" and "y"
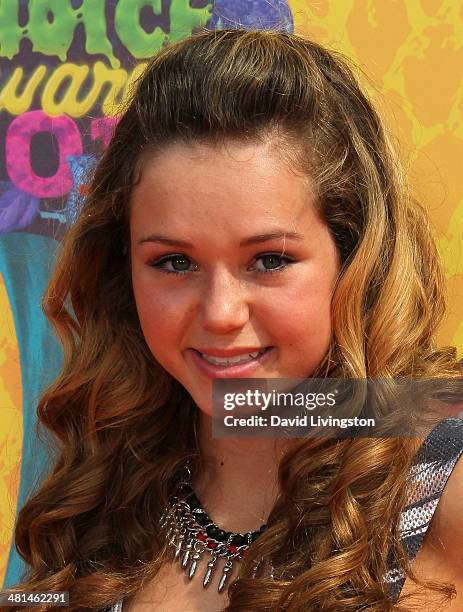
{"x": 238, "y": 484}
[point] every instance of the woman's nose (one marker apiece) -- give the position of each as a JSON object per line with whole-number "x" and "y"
{"x": 224, "y": 303}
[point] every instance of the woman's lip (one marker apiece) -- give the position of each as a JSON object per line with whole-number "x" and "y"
{"x": 232, "y": 371}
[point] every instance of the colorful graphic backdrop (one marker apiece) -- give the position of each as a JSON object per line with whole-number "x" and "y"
{"x": 66, "y": 65}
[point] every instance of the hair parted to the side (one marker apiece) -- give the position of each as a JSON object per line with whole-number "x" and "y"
{"x": 124, "y": 425}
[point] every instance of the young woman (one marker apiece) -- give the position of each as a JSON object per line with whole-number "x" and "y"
{"x": 249, "y": 208}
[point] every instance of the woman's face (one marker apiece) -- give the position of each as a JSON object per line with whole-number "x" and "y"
{"x": 229, "y": 257}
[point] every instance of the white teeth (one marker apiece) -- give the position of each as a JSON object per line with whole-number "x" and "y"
{"x": 231, "y": 360}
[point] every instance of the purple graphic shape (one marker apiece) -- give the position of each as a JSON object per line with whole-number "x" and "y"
{"x": 17, "y": 209}
{"x": 252, "y": 15}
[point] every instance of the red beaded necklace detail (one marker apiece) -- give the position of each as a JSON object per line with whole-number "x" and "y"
{"x": 191, "y": 532}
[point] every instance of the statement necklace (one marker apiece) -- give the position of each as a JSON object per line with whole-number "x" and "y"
{"x": 191, "y": 533}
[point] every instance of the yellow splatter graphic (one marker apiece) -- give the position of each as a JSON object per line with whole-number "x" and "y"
{"x": 412, "y": 52}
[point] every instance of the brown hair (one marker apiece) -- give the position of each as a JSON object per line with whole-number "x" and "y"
{"x": 124, "y": 425}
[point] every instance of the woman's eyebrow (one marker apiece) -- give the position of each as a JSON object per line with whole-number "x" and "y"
{"x": 271, "y": 236}
{"x": 245, "y": 242}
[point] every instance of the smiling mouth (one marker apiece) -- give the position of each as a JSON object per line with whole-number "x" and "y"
{"x": 231, "y": 361}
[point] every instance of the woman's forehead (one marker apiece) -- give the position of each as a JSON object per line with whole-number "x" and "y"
{"x": 233, "y": 179}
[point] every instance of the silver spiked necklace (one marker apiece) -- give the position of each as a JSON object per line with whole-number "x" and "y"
{"x": 192, "y": 534}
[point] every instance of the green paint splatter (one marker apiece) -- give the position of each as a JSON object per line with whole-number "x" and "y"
{"x": 94, "y": 19}
{"x": 10, "y": 32}
{"x": 140, "y": 43}
{"x": 51, "y": 38}
{"x": 183, "y": 18}
{"x": 52, "y": 24}
{"x": 54, "y": 36}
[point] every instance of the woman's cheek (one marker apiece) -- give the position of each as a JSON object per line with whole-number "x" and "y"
{"x": 158, "y": 316}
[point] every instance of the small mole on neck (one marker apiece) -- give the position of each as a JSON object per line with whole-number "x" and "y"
{"x": 221, "y": 463}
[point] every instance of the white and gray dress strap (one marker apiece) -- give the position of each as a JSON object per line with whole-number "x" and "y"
{"x": 431, "y": 468}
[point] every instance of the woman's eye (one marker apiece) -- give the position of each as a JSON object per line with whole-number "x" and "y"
{"x": 173, "y": 264}
{"x": 272, "y": 262}
{"x": 180, "y": 264}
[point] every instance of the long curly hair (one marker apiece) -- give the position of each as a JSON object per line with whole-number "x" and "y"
{"x": 124, "y": 426}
